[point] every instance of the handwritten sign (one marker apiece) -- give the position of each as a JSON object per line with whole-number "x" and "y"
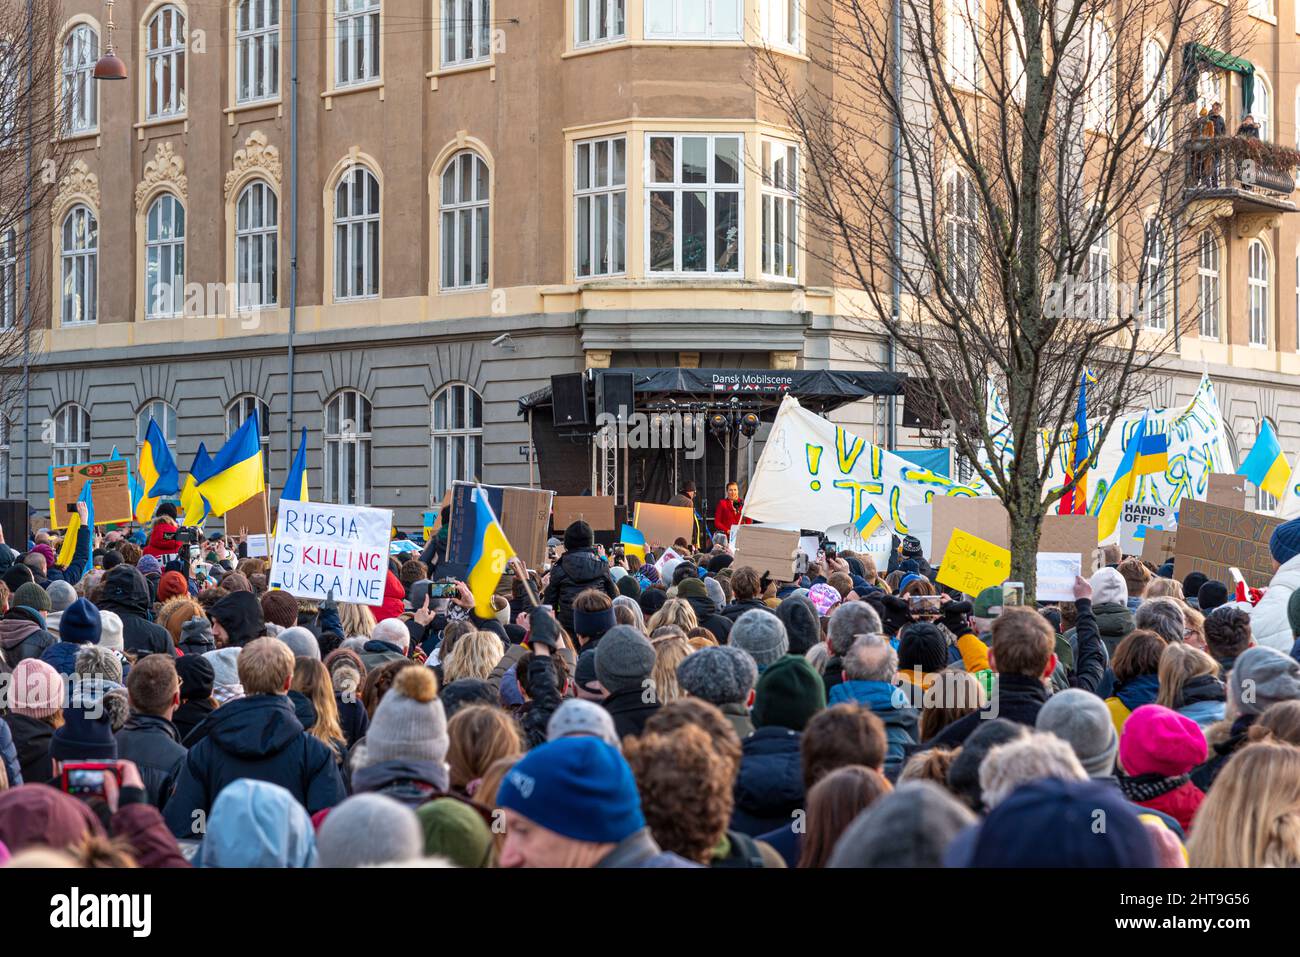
{"x": 321, "y": 548}
{"x": 971, "y": 564}
{"x": 1138, "y": 518}
{"x": 1213, "y": 538}
{"x": 1056, "y": 573}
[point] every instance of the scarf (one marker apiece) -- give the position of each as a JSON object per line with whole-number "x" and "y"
{"x": 1147, "y": 787}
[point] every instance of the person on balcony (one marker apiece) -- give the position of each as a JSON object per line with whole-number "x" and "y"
{"x": 1248, "y": 128}
{"x": 1216, "y": 118}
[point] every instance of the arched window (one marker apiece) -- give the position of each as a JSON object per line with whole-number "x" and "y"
{"x": 961, "y": 234}
{"x": 1153, "y": 312}
{"x": 80, "y": 97}
{"x": 237, "y": 414}
{"x": 164, "y": 259}
{"x": 1099, "y": 96}
{"x": 962, "y": 22}
{"x": 356, "y": 235}
{"x": 257, "y": 50}
{"x": 256, "y": 254}
{"x": 165, "y": 69}
{"x": 162, "y": 413}
{"x": 1262, "y": 108}
{"x": 465, "y": 248}
{"x": 356, "y": 41}
{"x": 8, "y": 279}
{"x": 1207, "y": 278}
{"x": 71, "y": 444}
{"x": 80, "y": 262}
{"x": 347, "y": 449}
{"x": 1156, "y": 82}
{"x": 1257, "y": 284}
{"x": 457, "y": 438}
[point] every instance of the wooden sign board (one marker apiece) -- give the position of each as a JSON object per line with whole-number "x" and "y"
{"x": 1071, "y": 533}
{"x": 524, "y": 514}
{"x": 1213, "y": 538}
{"x": 985, "y": 518}
{"x": 249, "y": 517}
{"x": 767, "y": 550}
{"x": 596, "y": 510}
{"x": 1158, "y": 546}
{"x": 1227, "y": 490}
{"x": 110, "y": 489}
{"x": 664, "y": 524}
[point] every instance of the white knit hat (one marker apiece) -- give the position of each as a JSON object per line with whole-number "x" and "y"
{"x": 110, "y": 635}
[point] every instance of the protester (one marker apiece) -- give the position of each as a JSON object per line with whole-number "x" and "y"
{"x": 257, "y": 824}
{"x": 149, "y": 738}
{"x": 1158, "y": 750}
{"x": 1251, "y": 817}
{"x": 910, "y": 827}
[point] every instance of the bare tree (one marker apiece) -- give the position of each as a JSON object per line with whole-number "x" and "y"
{"x": 986, "y": 174}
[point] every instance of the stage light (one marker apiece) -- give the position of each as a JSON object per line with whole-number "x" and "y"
{"x": 719, "y": 424}
{"x": 749, "y": 423}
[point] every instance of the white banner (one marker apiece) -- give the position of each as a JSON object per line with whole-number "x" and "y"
{"x": 321, "y": 548}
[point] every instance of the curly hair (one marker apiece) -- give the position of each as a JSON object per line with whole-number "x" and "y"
{"x": 175, "y": 612}
{"x": 700, "y": 714}
{"x": 685, "y": 789}
{"x": 378, "y": 682}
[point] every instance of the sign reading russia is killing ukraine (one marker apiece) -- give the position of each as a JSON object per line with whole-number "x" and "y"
{"x": 321, "y": 548}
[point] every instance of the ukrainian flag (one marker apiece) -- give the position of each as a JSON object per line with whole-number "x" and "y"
{"x": 1266, "y": 467}
{"x": 633, "y": 542}
{"x": 295, "y": 487}
{"x": 487, "y": 562}
{"x": 1153, "y": 456}
{"x": 194, "y": 505}
{"x": 69, "y": 548}
{"x": 1121, "y": 486}
{"x": 234, "y": 474}
{"x": 868, "y": 522}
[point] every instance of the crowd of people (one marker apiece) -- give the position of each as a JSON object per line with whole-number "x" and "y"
{"x": 163, "y": 708}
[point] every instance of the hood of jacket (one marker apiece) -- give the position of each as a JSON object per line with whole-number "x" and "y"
{"x": 1138, "y": 691}
{"x": 254, "y": 727}
{"x": 126, "y": 592}
{"x": 582, "y": 565}
{"x": 303, "y": 709}
{"x": 770, "y": 781}
{"x": 394, "y": 596}
{"x": 703, "y": 607}
{"x": 387, "y": 774}
{"x": 1113, "y": 619}
{"x": 878, "y": 696}
{"x": 14, "y": 631}
{"x": 1201, "y": 688}
{"x": 240, "y": 614}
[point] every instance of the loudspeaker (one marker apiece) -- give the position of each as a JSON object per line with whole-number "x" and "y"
{"x": 569, "y": 400}
{"x": 615, "y": 395}
{"x": 13, "y": 519}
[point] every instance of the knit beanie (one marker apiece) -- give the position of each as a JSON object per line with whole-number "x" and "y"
{"x": 910, "y": 827}
{"x": 456, "y": 831}
{"x": 1284, "y": 544}
{"x": 1261, "y": 677}
{"x": 651, "y": 600}
{"x": 922, "y": 645}
{"x": 465, "y": 691}
{"x": 96, "y": 661}
{"x": 196, "y": 636}
{"x": 369, "y": 829}
{"x": 1211, "y": 595}
{"x": 578, "y": 535}
{"x": 36, "y": 689}
{"x": 762, "y": 634}
{"x": 584, "y": 673}
{"x": 628, "y": 585}
{"x": 1159, "y": 740}
{"x": 580, "y": 788}
{"x": 964, "y": 772}
{"x": 713, "y": 589}
{"x": 61, "y": 595}
{"x": 80, "y": 624}
{"x": 577, "y": 717}
{"x": 280, "y": 608}
{"x": 301, "y": 641}
{"x": 1109, "y": 587}
{"x": 625, "y": 659}
{"x": 789, "y": 693}
{"x": 593, "y": 624}
{"x": 197, "y": 676}
{"x": 409, "y": 723}
{"x": 1192, "y": 584}
{"x": 171, "y": 585}
{"x": 149, "y": 565}
{"x": 802, "y": 625}
{"x": 32, "y": 595}
{"x": 87, "y": 730}
{"x": 1082, "y": 721}
{"x": 719, "y": 675}
{"x": 110, "y": 631}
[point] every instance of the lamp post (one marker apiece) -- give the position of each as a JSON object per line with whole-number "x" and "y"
{"x": 110, "y": 65}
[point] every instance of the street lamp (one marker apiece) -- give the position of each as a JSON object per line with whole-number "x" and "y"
{"x": 110, "y": 65}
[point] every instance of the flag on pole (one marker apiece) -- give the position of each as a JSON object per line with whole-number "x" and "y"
{"x": 68, "y": 550}
{"x": 194, "y": 505}
{"x": 488, "y": 560}
{"x": 157, "y": 467}
{"x": 234, "y": 474}
{"x": 1075, "y": 499}
{"x": 633, "y": 541}
{"x": 295, "y": 486}
{"x": 1266, "y": 467}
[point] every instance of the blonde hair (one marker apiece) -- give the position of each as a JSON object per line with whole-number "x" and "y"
{"x": 1164, "y": 588}
{"x": 675, "y": 611}
{"x": 474, "y": 656}
{"x": 358, "y": 621}
{"x": 669, "y": 653}
{"x": 312, "y": 680}
{"x": 1251, "y": 817}
{"x": 1179, "y": 664}
{"x": 265, "y": 666}
{"x": 479, "y": 735}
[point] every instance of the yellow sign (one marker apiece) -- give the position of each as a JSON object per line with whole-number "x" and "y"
{"x": 971, "y": 564}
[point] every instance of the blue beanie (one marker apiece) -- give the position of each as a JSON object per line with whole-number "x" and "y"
{"x": 580, "y": 788}
{"x": 1285, "y": 543}
{"x": 80, "y": 624}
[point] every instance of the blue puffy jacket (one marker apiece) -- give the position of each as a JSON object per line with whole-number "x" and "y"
{"x": 769, "y": 787}
{"x": 9, "y": 756}
{"x": 888, "y": 703}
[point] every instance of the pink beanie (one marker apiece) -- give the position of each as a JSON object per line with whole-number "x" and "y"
{"x": 35, "y": 689}
{"x": 1157, "y": 740}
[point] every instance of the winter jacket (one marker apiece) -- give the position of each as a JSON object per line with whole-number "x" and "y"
{"x": 158, "y": 546}
{"x": 574, "y": 573}
{"x": 9, "y": 756}
{"x": 154, "y": 744}
{"x": 1202, "y": 700}
{"x": 375, "y": 653}
{"x": 1114, "y": 621}
{"x": 190, "y": 715}
{"x": 31, "y": 739}
{"x": 411, "y": 782}
{"x": 545, "y": 695}
{"x": 629, "y": 712}
{"x": 737, "y": 851}
{"x": 889, "y": 704}
{"x": 1130, "y": 696}
{"x": 23, "y": 635}
{"x": 738, "y": 608}
{"x": 352, "y": 718}
{"x": 708, "y": 616}
{"x": 392, "y": 605}
{"x": 127, "y": 594}
{"x": 62, "y": 657}
{"x": 639, "y": 849}
{"x": 1269, "y": 624}
{"x": 1018, "y": 698}
{"x": 254, "y": 737}
{"x": 1181, "y": 804}
{"x": 785, "y": 841}
{"x": 769, "y": 785}
{"x": 736, "y": 713}
{"x": 1224, "y": 741}
{"x": 76, "y": 568}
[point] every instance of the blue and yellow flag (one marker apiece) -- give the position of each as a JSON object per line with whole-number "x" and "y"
{"x": 1122, "y": 485}
{"x": 157, "y": 467}
{"x": 1266, "y": 467}
{"x": 1153, "y": 456}
{"x": 868, "y": 522}
{"x": 69, "y": 548}
{"x": 487, "y": 562}
{"x": 194, "y": 505}
{"x": 295, "y": 486}
{"x": 234, "y": 474}
{"x": 633, "y": 541}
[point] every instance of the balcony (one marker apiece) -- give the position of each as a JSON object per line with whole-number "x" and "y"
{"x": 1243, "y": 179}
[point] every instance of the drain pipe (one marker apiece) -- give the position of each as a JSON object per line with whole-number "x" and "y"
{"x": 896, "y": 284}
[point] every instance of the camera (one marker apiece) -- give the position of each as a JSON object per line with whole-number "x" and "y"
{"x": 924, "y": 604}
{"x": 86, "y": 779}
{"x": 187, "y": 536}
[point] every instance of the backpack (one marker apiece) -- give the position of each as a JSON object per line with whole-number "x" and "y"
{"x": 743, "y": 852}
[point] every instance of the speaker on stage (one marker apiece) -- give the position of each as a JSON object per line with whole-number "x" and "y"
{"x": 614, "y": 394}
{"x": 569, "y": 400}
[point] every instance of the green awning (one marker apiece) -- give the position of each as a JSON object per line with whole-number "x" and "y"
{"x": 1196, "y": 57}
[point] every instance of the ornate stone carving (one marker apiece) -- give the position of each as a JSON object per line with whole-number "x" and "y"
{"x": 258, "y": 155}
{"x": 1250, "y": 225}
{"x": 79, "y": 182}
{"x": 165, "y": 169}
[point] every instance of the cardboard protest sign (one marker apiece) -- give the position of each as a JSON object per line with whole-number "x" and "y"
{"x": 984, "y": 518}
{"x": 110, "y": 488}
{"x": 767, "y": 550}
{"x": 1158, "y": 546}
{"x": 1213, "y": 539}
{"x": 1136, "y": 519}
{"x": 596, "y": 510}
{"x": 664, "y": 524}
{"x": 524, "y": 514}
{"x": 341, "y": 548}
{"x": 971, "y": 564}
{"x": 1226, "y": 490}
{"x": 1071, "y": 533}
{"x": 249, "y": 517}
{"x": 1056, "y": 573}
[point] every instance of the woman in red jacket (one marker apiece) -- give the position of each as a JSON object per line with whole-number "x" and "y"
{"x": 727, "y": 514}
{"x": 164, "y": 522}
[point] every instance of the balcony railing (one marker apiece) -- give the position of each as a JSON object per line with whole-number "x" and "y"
{"x": 1241, "y": 167}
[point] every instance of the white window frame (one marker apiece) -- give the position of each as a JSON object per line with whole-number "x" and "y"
{"x": 347, "y": 435}
{"x": 1157, "y": 91}
{"x": 779, "y": 23}
{"x": 257, "y": 265}
{"x": 79, "y": 289}
{"x": 237, "y": 413}
{"x": 466, "y": 32}
{"x": 961, "y": 238}
{"x": 961, "y": 35}
{"x": 1264, "y": 98}
{"x": 257, "y": 51}
{"x": 367, "y": 224}
{"x": 1258, "y": 289}
{"x": 779, "y": 208}
{"x": 1209, "y": 299}
{"x": 71, "y": 445}
{"x": 1264, "y": 9}
{"x": 9, "y": 279}
{"x": 1099, "y": 98}
{"x": 465, "y": 435}
{"x": 679, "y": 29}
{"x": 600, "y": 207}
{"x": 166, "y": 65}
{"x": 1155, "y": 306}
{"x": 455, "y": 214}
{"x": 80, "y": 97}
{"x": 712, "y": 189}
{"x": 357, "y": 42}
{"x": 162, "y": 412}
{"x": 11, "y": 71}
{"x": 602, "y": 21}
{"x": 164, "y": 257}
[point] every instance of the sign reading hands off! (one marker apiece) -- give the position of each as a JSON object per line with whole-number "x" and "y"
{"x": 971, "y": 564}
{"x": 321, "y": 548}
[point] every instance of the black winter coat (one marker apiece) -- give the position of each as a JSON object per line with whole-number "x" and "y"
{"x": 629, "y": 712}
{"x": 708, "y": 615}
{"x": 738, "y": 608}
{"x": 1019, "y": 700}
{"x": 769, "y": 786}
{"x": 154, "y": 744}
{"x": 127, "y": 594}
{"x": 32, "y": 742}
{"x": 574, "y": 573}
{"x": 190, "y": 715}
